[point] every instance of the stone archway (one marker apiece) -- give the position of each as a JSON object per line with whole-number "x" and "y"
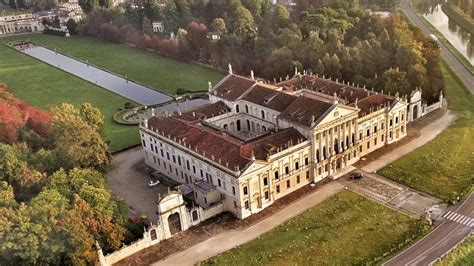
{"x": 174, "y": 223}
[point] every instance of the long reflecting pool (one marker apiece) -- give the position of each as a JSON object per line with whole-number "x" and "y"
{"x": 112, "y": 82}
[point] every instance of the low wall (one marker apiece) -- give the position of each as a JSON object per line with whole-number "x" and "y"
{"x": 125, "y": 252}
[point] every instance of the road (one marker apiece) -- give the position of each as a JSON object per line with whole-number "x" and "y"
{"x": 466, "y": 77}
{"x": 437, "y": 243}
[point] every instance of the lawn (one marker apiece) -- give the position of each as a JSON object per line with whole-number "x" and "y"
{"x": 462, "y": 255}
{"x": 346, "y": 229}
{"x": 44, "y": 86}
{"x": 148, "y": 68}
{"x": 443, "y": 167}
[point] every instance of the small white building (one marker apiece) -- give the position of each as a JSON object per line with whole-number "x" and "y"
{"x": 158, "y": 26}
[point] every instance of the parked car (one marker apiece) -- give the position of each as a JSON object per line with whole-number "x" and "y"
{"x": 357, "y": 175}
{"x": 153, "y": 183}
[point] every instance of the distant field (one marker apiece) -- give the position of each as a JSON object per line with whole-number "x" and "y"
{"x": 44, "y": 86}
{"x": 346, "y": 229}
{"x": 156, "y": 71}
{"x": 444, "y": 166}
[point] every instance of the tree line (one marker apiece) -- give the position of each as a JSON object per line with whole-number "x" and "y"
{"x": 53, "y": 201}
{"x": 465, "y": 6}
{"x": 339, "y": 40}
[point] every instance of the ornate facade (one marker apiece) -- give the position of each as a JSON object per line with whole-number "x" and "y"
{"x": 257, "y": 142}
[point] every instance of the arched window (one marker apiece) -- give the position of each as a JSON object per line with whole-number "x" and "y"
{"x": 225, "y": 126}
{"x": 263, "y": 114}
{"x": 237, "y": 108}
{"x": 238, "y": 125}
{"x": 248, "y": 125}
{"x": 247, "y": 109}
{"x": 264, "y": 129}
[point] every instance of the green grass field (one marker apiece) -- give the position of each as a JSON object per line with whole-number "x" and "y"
{"x": 443, "y": 167}
{"x": 346, "y": 229}
{"x": 462, "y": 255}
{"x": 151, "y": 69}
{"x": 44, "y": 86}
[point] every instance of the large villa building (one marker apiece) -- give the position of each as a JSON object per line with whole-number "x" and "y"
{"x": 256, "y": 142}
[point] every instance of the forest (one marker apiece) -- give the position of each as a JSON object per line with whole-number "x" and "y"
{"x": 54, "y": 205}
{"x": 338, "y": 39}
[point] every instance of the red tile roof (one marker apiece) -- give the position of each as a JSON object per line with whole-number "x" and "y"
{"x": 226, "y": 150}
{"x": 328, "y": 87}
{"x": 304, "y": 110}
{"x": 372, "y": 103}
{"x": 233, "y": 87}
{"x": 271, "y": 144}
{"x": 270, "y": 98}
{"x": 205, "y": 111}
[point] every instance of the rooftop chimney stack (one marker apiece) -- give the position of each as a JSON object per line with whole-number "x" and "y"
{"x": 230, "y": 69}
{"x": 252, "y": 75}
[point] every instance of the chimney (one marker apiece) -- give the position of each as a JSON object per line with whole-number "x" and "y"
{"x": 252, "y": 75}
{"x": 253, "y": 156}
{"x": 230, "y": 69}
{"x": 209, "y": 86}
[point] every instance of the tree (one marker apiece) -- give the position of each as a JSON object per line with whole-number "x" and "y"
{"x": 393, "y": 81}
{"x": 79, "y": 139}
{"x": 72, "y": 26}
{"x": 218, "y": 25}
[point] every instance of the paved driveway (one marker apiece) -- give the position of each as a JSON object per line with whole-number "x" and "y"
{"x": 127, "y": 180}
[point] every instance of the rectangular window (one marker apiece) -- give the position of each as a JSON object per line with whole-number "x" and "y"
{"x": 235, "y": 204}
{"x": 187, "y": 165}
{"x": 246, "y": 191}
{"x": 297, "y": 179}
{"x": 179, "y": 160}
{"x": 267, "y": 195}
{"x": 200, "y": 171}
{"x": 381, "y": 126}
{"x": 233, "y": 190}
{"x": 360, "y": 135}
{"x": 276, "y": 175}
{"x": 306, "y": 161}
{"x": 383, "y": 137}
{"x": 205, "y": 200}
{"x": 375, "y": 141}
{"x": 151, "y": 146}
{"x": 360, "y": 148}
{"x": 144, "y": 143}
{"x": 288, "y": 183}
{"x": 297, "y": 165}
{"x": 368, "y": 144}
{"x": 168, "y": 156}
{"x": 247, "y": 205}
{"x": 194, "y": 169}
{"x": 287, "y": 169}
{"x": 390, "y": 124}
{"x": 307, "y": 174}
{"x": 278, "y": 188}
{"x": 174, "y": 159}
{"x": 396, "y": 120}
{"x": 375, "y": 129}
{"x": 265, "y": 181}
{"x": 219, "y": 182}
{"x": 368, "y": 132}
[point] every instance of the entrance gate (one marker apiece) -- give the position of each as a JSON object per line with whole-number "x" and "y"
{"x": 174, "y": 223}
